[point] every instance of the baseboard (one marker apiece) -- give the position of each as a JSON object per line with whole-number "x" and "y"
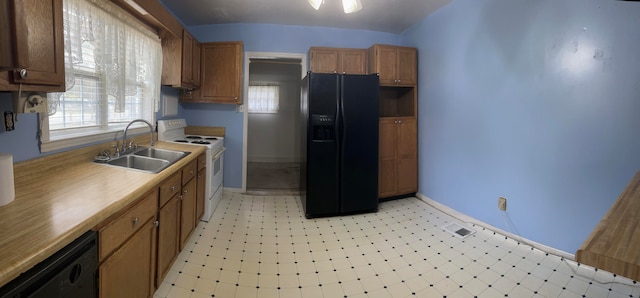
{"x": 232, "y": 190}
{"x": 273, "y": 159}
{"x": 468, "y": 219}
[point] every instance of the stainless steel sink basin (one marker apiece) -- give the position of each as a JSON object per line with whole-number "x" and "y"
{"x": 150, "y": 160}
{"x": 169, "y": 155}
{"x": 142, "y": 163}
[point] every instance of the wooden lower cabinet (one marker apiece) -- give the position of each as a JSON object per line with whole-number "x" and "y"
{"x": 398, "y": 156}
{"x": 200, "y": 194}
{"x": 139, "y": 245}
{"x": 130, "y": 271}
{"x": 168, "y": 235}
{"x": 187, "y": 211}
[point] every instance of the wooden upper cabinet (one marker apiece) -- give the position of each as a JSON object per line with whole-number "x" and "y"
{"x": 397, "y": 66}
{"x": 338, "y": 60}
{"x": 181, "y": 61}
{"x": 221, "y": 73}
{"x": 31, "y": 47}
{"x": 187, "y": 59}
{"x": 196, "y": 67}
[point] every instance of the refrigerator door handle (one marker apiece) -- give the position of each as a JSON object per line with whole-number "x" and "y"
{"x": 339, "y": 122}
{"x": 343, "y": 121}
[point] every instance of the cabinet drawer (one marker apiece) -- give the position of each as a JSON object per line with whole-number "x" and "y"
{"x": 116, "y": 232}
{"x": 202, "y": 162}
{"x": 189, "y": 171}
{"x": 169, "y": 188}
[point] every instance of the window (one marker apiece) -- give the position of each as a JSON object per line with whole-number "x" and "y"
{"x": 263, "y": 98}
{"x": 112, "y": 67}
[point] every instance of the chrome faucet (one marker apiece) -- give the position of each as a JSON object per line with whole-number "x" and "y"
{"x": 124, "y": 137}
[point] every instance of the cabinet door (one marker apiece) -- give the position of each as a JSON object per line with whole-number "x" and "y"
{"x": 9, "y": 25}
{"x": 323, "y": 60}
{"x": 407, "y": 156}
{"x": 168, "y": 237}
{"x": 187, "y": 211}
{"x": 407, "y": 65}
{"x": 200, "y": 193}
{"x": 386, "y": 59}
{"x": 353, "y": 61}
{"x": 130, "y": 271}
{"x": 187, "y": 59}
{"x": 38, "y": 46}
{"x": 221, "y": 73}
{"x": 387, "y": 151}
{"x": 197, "y": 49}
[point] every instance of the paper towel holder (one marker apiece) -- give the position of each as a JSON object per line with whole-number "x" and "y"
{"x": 30, "y": 102}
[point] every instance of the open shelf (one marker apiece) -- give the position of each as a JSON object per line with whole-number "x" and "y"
{"x": 397, "y": 101}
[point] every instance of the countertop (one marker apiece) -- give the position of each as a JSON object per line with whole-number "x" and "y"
{"x": 614, "y": 244}
{"x": 61, "y": 196}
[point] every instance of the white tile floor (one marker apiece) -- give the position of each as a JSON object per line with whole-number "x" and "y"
{"x": 262, "y": 246}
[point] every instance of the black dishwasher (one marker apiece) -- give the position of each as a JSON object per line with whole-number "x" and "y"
{"x": 70, "y": 272}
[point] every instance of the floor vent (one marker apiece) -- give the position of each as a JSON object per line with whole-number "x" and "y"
{"x": 458, "y": 230}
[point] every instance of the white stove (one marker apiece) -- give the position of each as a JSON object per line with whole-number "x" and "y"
{"x": 173, "y": 131}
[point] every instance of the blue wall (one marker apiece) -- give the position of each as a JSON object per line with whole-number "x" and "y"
{"x": 538, "y": 101}
{"x": 266, "y": 38}
{"x": 22, "y": 142}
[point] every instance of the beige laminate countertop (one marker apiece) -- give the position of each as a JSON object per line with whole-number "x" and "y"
{"x": 58, "y": 200}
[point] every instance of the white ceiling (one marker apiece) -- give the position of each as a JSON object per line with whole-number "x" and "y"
{"x": 393, "y": 16}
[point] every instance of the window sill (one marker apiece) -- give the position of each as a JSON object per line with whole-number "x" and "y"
{"x": 81, "y": 140}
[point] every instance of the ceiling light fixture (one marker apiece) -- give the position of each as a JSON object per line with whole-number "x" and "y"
{"x": 349, "y": 6}
{"x": 315, "y": 4}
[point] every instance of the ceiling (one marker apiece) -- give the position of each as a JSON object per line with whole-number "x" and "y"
{"x": 392, "y": 16}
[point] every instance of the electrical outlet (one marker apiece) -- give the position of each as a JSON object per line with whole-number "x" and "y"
{"x": 502, "y": 203}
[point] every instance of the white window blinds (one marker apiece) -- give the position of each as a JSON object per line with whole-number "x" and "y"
{"x": 113, "y": 65}
{"x": 264, "y": 98}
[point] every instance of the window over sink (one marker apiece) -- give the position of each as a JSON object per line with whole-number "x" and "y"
{"x": 113, "y": 65}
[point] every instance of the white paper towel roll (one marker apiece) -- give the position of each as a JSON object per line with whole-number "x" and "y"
{"x": 7, "y": 190}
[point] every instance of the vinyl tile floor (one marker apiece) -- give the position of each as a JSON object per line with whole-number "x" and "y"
{"x": 262, "y": 246}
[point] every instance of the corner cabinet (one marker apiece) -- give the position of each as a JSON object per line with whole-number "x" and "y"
{"x": 338, "y": 60}
{"x": 398, "y": 156}
{"x": 31, "y": 46}
{"x": 220, "y": 74}
{"x": 397, "y": 66}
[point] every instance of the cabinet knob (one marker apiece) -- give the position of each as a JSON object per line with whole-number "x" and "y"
{"x": 135, "y": 221}
{"x": 185, "y": 191}
{"x": 181, "y": 197}
{"x": 156, "y": 223}
{"x": 23, "y": 73}
{"x": 173, "y": 188}
{"x": 235, "y": 98}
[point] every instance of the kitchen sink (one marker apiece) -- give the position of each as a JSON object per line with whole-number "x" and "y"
{"x": 149, "y": 160}
{"x": 140, "y": 163}
{"x": 168, "y": 155}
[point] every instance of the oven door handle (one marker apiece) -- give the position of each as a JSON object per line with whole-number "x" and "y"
{"x": 218, "y": 153}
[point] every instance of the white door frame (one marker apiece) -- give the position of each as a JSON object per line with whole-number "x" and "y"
{"x": 245, "y": 121}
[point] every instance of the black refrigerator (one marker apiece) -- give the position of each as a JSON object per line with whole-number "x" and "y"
{"x": 339, "y": 144}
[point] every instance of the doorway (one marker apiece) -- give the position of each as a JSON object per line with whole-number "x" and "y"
{"x": 271, "y": 153}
